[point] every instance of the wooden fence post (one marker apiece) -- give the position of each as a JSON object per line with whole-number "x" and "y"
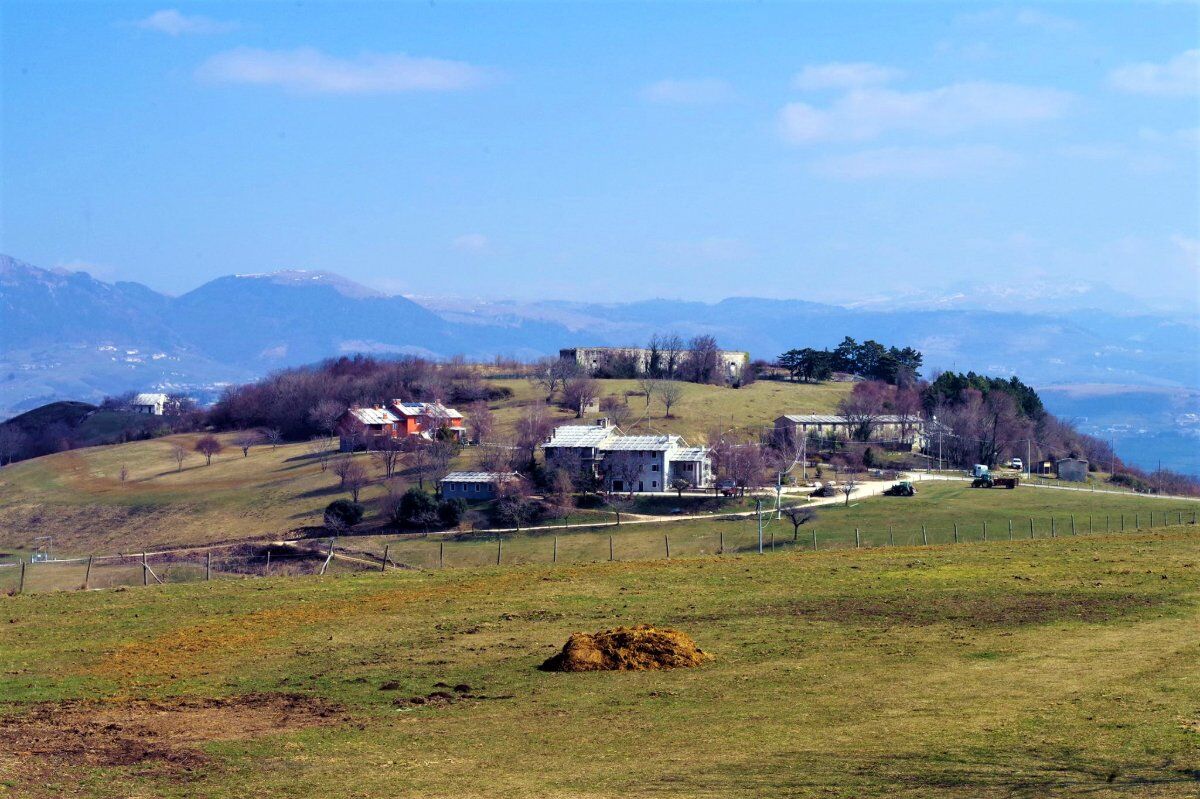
{"x": 891, "y": 540}
{"x": 1108, "y": 522}
{"x": 956, "y": 532}
{"x": 1031, "y": 535}
{"x": 610, "y": 548}
{"x": 383, "y": 563}
{"x": 667, "y": 546}
{"x": 441, "y": 554}
{"x": 207, "y": 565}
{"x": 985, "y": 529}
{"x": 87, "y": 576}
{"x": 499, "y": 548}
{"x": 267, "y": 568}
{"x": 857, "y": 539}
{"x": 1137, "y": 521}
{"x": 21, "y": 584}
{"x": 721, "y": 543}
{"x": 1052, "y": 528}
{"x": 1010, "y": 529}
{"x": 1072, "y": 524}
{"x": 1122, "y": 522}
{"x": 145, "y": 571}
{"x": 554, "y": 555}
{"x": 814, "y": 539}
{"x": 924, "y": 535}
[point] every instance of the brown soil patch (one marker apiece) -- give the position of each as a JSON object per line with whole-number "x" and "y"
{"x": 974, "y": 609}
{"x": 640, "y": 648}
{"x": 162, "y": 735}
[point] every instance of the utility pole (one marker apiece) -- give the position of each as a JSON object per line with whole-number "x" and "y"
{"x": 1028, "y": 456}
{"x": 758, "y": 513}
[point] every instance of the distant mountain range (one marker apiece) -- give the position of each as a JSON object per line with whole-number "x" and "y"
{"x": 68, "y": 335}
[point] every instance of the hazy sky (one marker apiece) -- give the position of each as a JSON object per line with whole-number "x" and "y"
{"x": 607, "y": 151}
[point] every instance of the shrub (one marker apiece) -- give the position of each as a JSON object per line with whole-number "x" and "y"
{"x": 418, "y": 509}
{"x": 342, "y": 514}
{"x": 451, "y": 512}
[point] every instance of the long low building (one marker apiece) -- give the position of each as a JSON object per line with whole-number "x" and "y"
{"x": 475, "y": 486}
{"x": 642, "y": 463}
{"x": 730, "y": 363}
{"x": 885, "y": 428}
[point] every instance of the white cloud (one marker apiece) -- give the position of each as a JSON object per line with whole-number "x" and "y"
{"x": 704, "y": 91}
{"x": 472, "y": 242}
{"x": 173, "y": 23}
{"x": 917, "y": 162}
{"x": 1037, "y": 18}
{"x": 844, "y": 75}
{"x": 864, "y": 114}
{"x": 308, "y": 70}
{"x": 1176, "y": 78}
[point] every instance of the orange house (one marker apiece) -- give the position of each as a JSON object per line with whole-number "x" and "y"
{"x": 426, "y": 419}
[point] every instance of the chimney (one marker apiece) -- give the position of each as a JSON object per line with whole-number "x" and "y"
{"x": 602, "y": 422}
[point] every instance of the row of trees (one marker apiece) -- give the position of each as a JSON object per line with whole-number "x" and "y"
{"x": 871, "y": 360}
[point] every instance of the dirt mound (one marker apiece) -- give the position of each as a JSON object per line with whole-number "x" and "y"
{"x": 164, "y": 734}
{"x": 640, "y": 648}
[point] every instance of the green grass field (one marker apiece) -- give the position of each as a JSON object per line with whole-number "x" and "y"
{"x": 1064, "y": 667}
{"x": 78, "y": 498}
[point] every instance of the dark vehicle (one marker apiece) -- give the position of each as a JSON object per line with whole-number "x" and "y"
{"x": 826, "y": 490}
{"x": 901, "y": 489}
{"x": 727, "y": 488}
{"x": 988, "y": 481}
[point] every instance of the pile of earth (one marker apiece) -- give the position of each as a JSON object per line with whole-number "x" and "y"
{"x": 639, "y": 648}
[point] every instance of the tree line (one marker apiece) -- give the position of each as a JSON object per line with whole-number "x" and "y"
{"x": 870, "y": 360}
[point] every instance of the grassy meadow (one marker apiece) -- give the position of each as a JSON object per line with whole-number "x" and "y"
{"x": 1064, "y": 667}
{"x": 79, "y": 498}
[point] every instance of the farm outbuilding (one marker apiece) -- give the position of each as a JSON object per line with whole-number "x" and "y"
{"x": 1073, "y": 470}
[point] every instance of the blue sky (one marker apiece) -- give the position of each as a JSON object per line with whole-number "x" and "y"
{"x": 600, "y": 151}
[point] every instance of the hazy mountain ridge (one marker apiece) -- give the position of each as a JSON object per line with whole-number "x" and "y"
{"x": 68, "y": 335}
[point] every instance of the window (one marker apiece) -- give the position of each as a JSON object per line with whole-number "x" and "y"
{"x": 654, "y": 468}
{"x": 654, "y": 484}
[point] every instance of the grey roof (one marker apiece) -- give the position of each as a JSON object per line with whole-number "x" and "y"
{"x": 149, "y": 399}
{"x": 626, "y": 443}
{"x": 690, "y": 454}
{"x": 373, "y": 415}
{"x": 821, "y": 418}
{"x": 579, "y": 435}
{"x": 436, "y": 409}
{"x": 478, "y": 477}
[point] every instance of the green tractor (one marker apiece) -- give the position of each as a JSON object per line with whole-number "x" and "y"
{"x": 901, "y": 489}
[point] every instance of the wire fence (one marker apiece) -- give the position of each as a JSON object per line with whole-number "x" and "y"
{"x": 720, "y": 535}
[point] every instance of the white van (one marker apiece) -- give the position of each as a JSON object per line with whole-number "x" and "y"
{"x": 1016, "y": 463}
{"x": 979, "y": 471}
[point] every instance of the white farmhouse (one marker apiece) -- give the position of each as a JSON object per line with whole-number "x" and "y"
{"x": 152, "y": 404}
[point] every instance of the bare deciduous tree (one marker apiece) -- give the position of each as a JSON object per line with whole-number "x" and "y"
{"x": 648, "y": 388}
{"x": 247, "y": 439}
{"x": 179, "y": 453}
{"x": 848, "y": 487}
{"x": 578, "y": 393}
{"x": 481, "y": 422}
{"x": 321, "y": 448}
{"x": 354, "y": 478}
{"x": 273, "y": 435}
{"x": 798, "y": 515}
{"x": 431, "y": 461}
{"x": 669, "y": 393}
{"x": 325, "y": 415}
{"x": 208, "y": 446}
{"x": 866, "y": 404}
{"x": 388, "y": 455}
{"x": 616, "y": 409}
